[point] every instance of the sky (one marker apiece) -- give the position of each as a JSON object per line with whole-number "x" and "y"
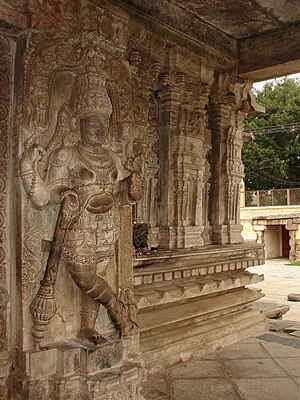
{"x": 260, "y": 85}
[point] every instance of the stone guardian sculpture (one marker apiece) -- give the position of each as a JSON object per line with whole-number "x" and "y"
{"x": 89, "y": 182}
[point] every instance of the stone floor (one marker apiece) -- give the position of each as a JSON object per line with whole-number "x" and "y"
{"x": 281, "y": 279}
{"x": 262, "y": 368}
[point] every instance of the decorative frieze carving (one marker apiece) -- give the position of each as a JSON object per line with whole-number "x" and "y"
{"x": 195, "y": 263}
{"x": 191, "y": 286}
{"x": 73, "y": 15}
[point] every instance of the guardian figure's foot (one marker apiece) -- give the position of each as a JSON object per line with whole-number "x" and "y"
{"x": 92, "y": 336}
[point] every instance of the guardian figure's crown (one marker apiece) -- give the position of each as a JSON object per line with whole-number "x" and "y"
{"x": 90, "y": 96}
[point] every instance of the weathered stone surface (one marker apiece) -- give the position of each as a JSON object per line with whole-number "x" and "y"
{"x": 294, "y": 297}
{"x": 283, "y": 325}
{"x": 295, "y": 333}
{"x": 271, "y": 309}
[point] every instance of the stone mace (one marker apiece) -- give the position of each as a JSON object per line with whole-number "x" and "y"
{"x": 43, "y": 306}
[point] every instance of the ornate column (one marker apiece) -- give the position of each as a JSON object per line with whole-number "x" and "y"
{"x": 169, "y": 100}
{"x": 144, "y": 71}
{"x": 184, "y": 176}
{"x": 220, "y": 122}
{"x": 227, "y": 112}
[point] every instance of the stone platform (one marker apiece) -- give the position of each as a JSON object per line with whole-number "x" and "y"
{"x": 192, "y": 302}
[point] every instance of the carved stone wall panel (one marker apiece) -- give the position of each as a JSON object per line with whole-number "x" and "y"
{"x": 7, "y": 48}
{"x": 52, "y": 65}
{"x": 72, "y": 15}
{"x": 56, "y": 67}
{"x": 56, "y": 15}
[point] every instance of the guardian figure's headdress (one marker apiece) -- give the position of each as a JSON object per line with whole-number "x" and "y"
{"x": 90, "y": 96}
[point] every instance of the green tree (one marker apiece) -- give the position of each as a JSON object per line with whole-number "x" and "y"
{"x": 272, "y": 160}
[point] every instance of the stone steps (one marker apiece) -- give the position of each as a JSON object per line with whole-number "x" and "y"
{"x": 196, "y": 300}
{"x": 175, "y": 333}
{"x": 203, "y": 338}
{"x": 155, "y": 320}
{"x": 178, "y": 289}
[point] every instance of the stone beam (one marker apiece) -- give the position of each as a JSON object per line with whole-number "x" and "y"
{"x": 176, "y": 24}
{"x": 270, "y": 55}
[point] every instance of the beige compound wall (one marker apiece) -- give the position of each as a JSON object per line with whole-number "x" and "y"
{"x": 272, "y": 233}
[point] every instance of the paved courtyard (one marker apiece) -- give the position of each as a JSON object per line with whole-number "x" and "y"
{"x": 281, "y": 279}
{"x": 262, "y": 368}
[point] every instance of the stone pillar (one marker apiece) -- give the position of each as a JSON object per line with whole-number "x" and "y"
{"x": 297, "y": 249}
{"x": 260, "y": 237}
{"x": 185, "y": 139}
{"x": 169, "y": 100}
{"x": 220, "y": 119}
{"x": 243, "y": 195}
{"x": 292, "y": 228}
{"x": 227, "y": 113}
{"x": 145, "y": 113}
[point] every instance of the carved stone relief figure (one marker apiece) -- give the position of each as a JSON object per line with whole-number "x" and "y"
{"x": 89, "y": 182}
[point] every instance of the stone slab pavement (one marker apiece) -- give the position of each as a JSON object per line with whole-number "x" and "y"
{"x": 263, "y": 368}
{"x": 280, "y": 280}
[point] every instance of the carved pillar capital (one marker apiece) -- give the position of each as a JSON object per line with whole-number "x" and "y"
{"x": 220, "y": 116}
{"x": 169, "y": 99}
{"x": 259, "y": 228}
